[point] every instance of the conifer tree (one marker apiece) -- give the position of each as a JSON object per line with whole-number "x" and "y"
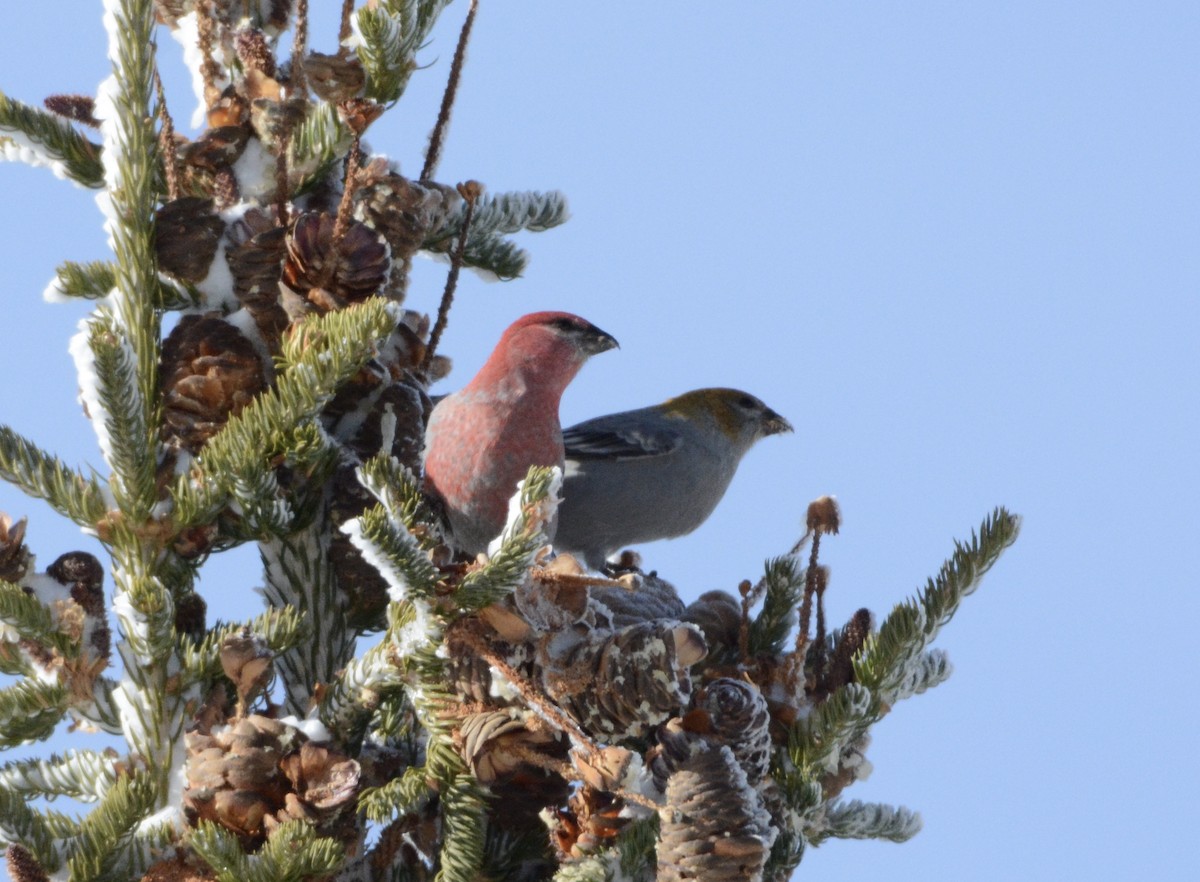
{"x": 254, "y": 374}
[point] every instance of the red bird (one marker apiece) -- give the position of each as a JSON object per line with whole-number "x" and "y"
{"x": 482, "y": 439}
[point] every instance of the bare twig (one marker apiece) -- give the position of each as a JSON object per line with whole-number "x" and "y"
{"x": 346, "y": 206}
{"x": 470, "y": 191}
{"x": 344, "y": 30}
{"x": 166, "y": 140}
{"x": 434, "y": 152}
{"x": 299, "y": 47}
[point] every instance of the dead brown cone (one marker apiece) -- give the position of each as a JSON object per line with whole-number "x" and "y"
{"x": 255, "y": 260}
{"x": 322, "y": 274}
{"x": 208, "y": 373}
{"x": 719, "y": 615}
{"x": 334, "y": 78}
{"x": 841, "y": 664}
{"x": 515, "y": 758}
{"x": 590, "y": 823}
{"x": 496, "y": 744}
{"x": 824, "y": 515}
{"x": 217, "y": 148}
{"x": 186, "y": 235}
{"x": 246, "y": 661}
{"x": 639, "y": 598}
{"x": 620, "y": 684}
{"x": 23, "y": 866}
{"x": 739, "y": 719}
{"x": 77, "y": 108}
{"x": 83, "y": 576}
{"x": 403, "y": 211}
{"x": 14, "y": 556}
{"x": 258, "y": 773}
{"x": 713, "y": 826}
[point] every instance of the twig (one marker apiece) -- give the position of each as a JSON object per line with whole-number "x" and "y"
{"x": 166, "y": 140}
{"x": 344, "y": 30}
{"x": 299, "y": 47}
{"x": 548, "y": 709}
{"x": 470, "y": 191}
{"x": 206, "y": 30}
{"x": 434, "y": 152}
{"x": 810, "y": 588}
{"x": 349, "y": 185}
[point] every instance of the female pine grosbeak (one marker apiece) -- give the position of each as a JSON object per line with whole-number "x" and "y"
{"x": 482, "y": 439}
{"x": 657, "y": 472}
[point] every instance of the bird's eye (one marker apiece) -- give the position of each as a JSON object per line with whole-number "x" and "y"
{"x": 748, "y": 403}
{"x": 563, "y": 324}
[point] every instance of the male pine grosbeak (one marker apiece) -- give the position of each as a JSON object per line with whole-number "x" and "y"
{"x": 657, "y": 472}
{"x": 482, "y": 439}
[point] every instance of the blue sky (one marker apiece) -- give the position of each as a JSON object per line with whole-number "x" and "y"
{"x": 955, "y": 244}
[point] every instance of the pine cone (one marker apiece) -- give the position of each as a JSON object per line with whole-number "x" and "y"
{"x": 334, "y": 78}
{"x": 497, "y": 744}
{"x": 186, "y": 236}
{"x": 15, "y": 558}
{"x": 719, "y": 615}
{"x": 273, "y": 120}
{"x": 639, "y": 598}
{"x": 851, "y": 640}
{"x": 216, "y": 149}
{"x": 83, "y": 577}
{"x": 713, "y": 826}
{"x": 246, "y": 660}
{"x": 739, "y": 719}
{"x": 589, "y": 823}
{"x": 208, "y": 373}
{"x": 331, "y": 275}
{"x": 23, "y": 866}
{"x": 405, "y": 212}
{"x": 620, "y": 684}
{"x": 258, "y": 773}
{"x": 256, "y": 264}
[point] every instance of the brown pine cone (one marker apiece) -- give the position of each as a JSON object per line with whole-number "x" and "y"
{"x": 404, "y": 211}
{"x": 719, "y": 615}
{"x": 334, "y": 78}
{"x": 14, "y": 556}
{"x": 186, "y": 235}
{"x": 713, "y": 826}
{"x": 258, "y": 773}
{"x": 255, "y": 257}
{"x": 739, "y": 719}
{"x": 620, "y": 684}
{"x": 639, "y": 598}
{"x": 322, "y": 274}
{"x": 208, "y": 373}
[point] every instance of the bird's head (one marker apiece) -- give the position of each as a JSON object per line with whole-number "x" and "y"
{"x": 738, "y": 415}
{"x": 554, "y": 338}
{"x": 544, "y": 350}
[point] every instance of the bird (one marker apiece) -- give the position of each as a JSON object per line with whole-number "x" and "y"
{"x": 481, "y": 440}
{"x": 657, "y": 472}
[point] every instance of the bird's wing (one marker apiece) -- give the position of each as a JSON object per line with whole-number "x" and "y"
{"x": 595, "y": 440}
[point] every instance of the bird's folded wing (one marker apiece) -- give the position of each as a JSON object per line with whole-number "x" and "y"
{"x": 586, "y": 441}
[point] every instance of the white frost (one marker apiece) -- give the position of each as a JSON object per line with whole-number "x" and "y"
{"x": 187, "y": 34}
{"x": 255, "y": 171}
{"x": 16, "y": 146}
{"x": 542, "y": 514}
{"x": 310, "y": 726}
{"x": 89, "y": 387}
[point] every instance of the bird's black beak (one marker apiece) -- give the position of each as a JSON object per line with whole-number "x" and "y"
{"x": 594, "y": 341}
{"x": 774, "y": 424}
